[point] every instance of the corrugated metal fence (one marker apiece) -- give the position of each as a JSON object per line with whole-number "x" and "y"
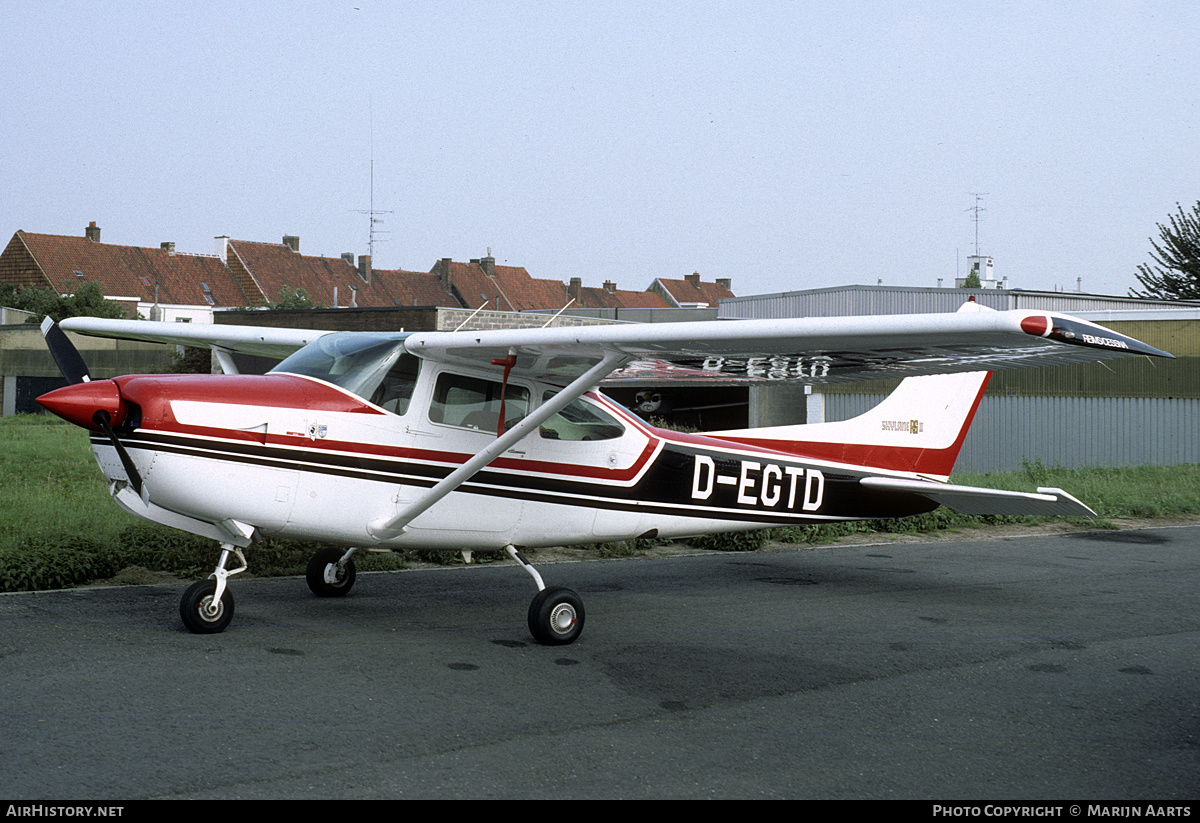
{"x": 1073, "y": 432}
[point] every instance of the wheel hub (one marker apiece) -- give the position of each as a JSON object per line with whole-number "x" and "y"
{"x": 211, "y": 609}
{"x": 562, "y": 618}
{"x": 334, "y": 574}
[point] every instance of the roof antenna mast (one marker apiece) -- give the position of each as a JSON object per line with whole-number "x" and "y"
{"x": 372, "y": 213}
{"x": 978, "y": 195}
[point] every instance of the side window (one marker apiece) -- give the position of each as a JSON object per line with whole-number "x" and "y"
{"x": 580, "y": 421}
{"x": 472, "y": 403}
{"x": 396, "y": 389}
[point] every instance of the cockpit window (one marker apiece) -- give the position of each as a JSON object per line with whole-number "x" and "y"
{"x": 472, "y": 403}
{"x": 374, "y": 366}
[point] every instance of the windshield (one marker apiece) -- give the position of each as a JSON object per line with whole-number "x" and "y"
{"x": 374, "y": 366}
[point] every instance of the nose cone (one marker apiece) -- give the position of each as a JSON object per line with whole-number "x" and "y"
{"x": 79, "y": 403}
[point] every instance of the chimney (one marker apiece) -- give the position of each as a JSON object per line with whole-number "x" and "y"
{"x": 610, "y": 287}
{"x": 693, "y": 278}
{"x": 168, "y": 247}
{"x": 348, "y": 256}
{"x": 292, "y": 242}
{"x": 223, "y": 248}
{"x": 442, "y": 270}
{"x": 726, "y": 282}
{"x": 488, "y": 264}
{"x": 364, "y": 267}
{"x": 574, "y": 288}
{"x": 92, "y": 232}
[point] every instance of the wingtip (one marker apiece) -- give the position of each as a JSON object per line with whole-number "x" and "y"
{"x": 1076, "y": 332}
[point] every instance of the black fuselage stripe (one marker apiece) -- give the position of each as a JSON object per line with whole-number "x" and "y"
{"x": 526, "y": 487}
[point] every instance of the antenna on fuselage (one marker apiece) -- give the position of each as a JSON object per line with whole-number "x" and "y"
{"x": 560, "y": 311}
{"x": 482, "y": 306}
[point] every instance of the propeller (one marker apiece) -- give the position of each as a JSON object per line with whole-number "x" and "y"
{"x": 84, "y": 402}
{"x": 69, "y": 361}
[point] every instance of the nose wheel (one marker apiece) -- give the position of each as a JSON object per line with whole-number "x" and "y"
{"x": 207, "y": 606}
{"x": 330, "y": 573}
{"x": 204, "y": 611}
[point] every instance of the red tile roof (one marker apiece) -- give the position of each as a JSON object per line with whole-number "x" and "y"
{"x": 610, "y": 297}
{"x": 413, "y": 288}
{"x": 254, "y": 273}
{"x": 58, "y": 262}
{"x": 691, "y": 289}
{"x": 506, "y": 288}
{"x": 275, "y": 265}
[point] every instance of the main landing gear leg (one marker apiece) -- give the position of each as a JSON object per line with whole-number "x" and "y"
{"x": 207, "y": 606}
{"x": 556, "y": 613}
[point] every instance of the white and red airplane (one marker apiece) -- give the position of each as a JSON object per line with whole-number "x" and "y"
{"x": 495, "y": 440}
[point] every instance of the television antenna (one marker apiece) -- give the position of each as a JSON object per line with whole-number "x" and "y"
{"x": 976, "y": 209}
{"x": 373, "y": 219}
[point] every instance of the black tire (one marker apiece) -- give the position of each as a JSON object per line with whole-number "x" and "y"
{"x": 316, "y": 574}
{"x": 556, "y": 616}
{"x": 194, "y": 608}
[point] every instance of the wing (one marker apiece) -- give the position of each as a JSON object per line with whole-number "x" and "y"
{"x": 810, "y": 350}
{"x": 256, "y": 340}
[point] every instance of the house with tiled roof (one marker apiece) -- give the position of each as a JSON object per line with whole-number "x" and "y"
{"x": 264, "y": 269}
{"x": 500, "y": 288}
{"x": 413, "y": 288}
{"x": 609, "y": 296}
{"x": 162, "y": 283}
{"x": 152, "y": 282}
{"x": 691, "y": 291}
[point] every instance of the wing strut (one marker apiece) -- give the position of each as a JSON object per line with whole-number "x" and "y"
{"x": 392, "y": 528}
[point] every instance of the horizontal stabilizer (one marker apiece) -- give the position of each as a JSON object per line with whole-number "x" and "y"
{"x": 973, "y": 500}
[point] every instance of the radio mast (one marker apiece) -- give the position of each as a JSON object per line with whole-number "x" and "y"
{"x": 978, "y": 195}
{"x": 373, "y": 219}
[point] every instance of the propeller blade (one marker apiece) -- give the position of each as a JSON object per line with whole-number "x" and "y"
{"x": 103, "y": 419}
{"x": 69, "y": 361}
{"x": 71, "y": 364}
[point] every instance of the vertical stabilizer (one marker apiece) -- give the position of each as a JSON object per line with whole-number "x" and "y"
{"x": 919, "y": 428}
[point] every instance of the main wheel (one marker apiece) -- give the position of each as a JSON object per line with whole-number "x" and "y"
{"x": 200, "y": 614}
{"x": 556, "y": 616}
{"x": 319, "y": 565}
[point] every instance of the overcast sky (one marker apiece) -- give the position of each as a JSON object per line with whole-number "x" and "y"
{"x": 783, "y": 145}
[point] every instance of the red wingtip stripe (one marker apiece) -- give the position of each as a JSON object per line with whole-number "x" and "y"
{"x": 1038, "y": 325}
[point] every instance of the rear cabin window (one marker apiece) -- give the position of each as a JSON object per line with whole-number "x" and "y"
{"x": 471, "y": 403}
{"x": 580, "y": 421}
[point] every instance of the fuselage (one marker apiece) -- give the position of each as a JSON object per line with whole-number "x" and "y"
{"x": 296, "y": 456}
